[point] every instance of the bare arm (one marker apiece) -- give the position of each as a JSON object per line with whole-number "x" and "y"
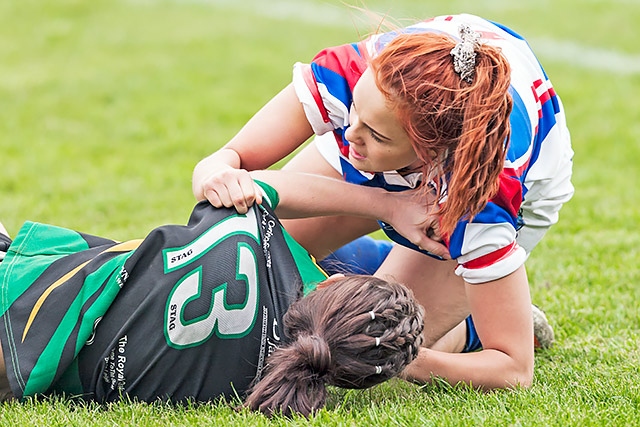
{"x": 502, "y": 314}
{"x": 305, "y": 195}
{"x": 271, "y": 134}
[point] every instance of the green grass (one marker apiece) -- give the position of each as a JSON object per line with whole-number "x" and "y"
{"x": 107, "y": 105}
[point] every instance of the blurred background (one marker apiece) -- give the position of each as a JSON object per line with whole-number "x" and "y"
{"x": 107, "y": 105}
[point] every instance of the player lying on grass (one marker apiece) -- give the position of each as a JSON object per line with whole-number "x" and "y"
{"x": 228, "y": 305}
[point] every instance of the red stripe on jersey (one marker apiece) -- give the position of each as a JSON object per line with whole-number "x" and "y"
{"x": 345, "y": 61}
{"x": 310, "y": 80}
{"x": 537, "y": 84}
{"x": 491, "y": 258}
{"x": 509, "y": 195}
{"x": 519, "y": 172}
{"x": 535, "y": 93}
{"x": 544, "y": 97}
{"x": 344, "y": 148}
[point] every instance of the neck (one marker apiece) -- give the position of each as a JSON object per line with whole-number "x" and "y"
{"x": 416, "y": 166}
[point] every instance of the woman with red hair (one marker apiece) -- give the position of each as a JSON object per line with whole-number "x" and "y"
{"x": 458, "y": 111}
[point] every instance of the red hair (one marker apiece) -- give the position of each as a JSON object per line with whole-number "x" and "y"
{"x": 466, "y": 125}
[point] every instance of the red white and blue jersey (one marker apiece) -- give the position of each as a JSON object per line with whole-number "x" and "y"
{"x": 537, "y": 171}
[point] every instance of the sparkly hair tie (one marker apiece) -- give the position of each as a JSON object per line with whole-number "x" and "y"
{"x": 464, "y": 53}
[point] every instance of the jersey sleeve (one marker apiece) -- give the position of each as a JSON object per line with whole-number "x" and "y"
{"x": 310, "y": 272}
{"x": 324, "y": 87}
{"x": 269, "y": 194}
{"x": 486, "y": 248}
{"x": 55, "y": 284}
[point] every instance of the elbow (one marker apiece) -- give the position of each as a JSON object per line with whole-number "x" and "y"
{"x": 511, "y": 380}
{"x": 525, "y": 379}
{"x": 520, "y": 376}
{"x": 510, "y": 371}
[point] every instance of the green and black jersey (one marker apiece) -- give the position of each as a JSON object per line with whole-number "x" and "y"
{"x": 189, "y": 312}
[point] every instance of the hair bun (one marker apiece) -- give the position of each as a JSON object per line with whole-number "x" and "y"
{"x": 315, "y": 353}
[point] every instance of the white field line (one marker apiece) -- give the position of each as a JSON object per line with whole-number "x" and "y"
{"x": 560, "y": 51}
{"x": 586, "y": 57}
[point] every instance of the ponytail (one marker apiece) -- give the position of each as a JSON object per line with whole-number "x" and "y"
{"x": 464, "y": 121}
{"x": 355, "y": 333}
{"x": 295, "y": 379}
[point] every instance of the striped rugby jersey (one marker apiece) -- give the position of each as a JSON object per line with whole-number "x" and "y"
{"x": 188, "y": 312}
{"x": 536, "y": 178}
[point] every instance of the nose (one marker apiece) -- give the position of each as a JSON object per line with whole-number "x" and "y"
{"x": 351, "y": 133}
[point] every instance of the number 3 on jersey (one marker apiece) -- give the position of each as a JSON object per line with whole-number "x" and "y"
{"x": 226, "y": 321}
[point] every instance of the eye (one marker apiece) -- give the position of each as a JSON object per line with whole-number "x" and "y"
{"x": 375, "y": 137}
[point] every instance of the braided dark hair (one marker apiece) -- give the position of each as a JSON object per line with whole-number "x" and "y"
{"x": 354, "y": 333}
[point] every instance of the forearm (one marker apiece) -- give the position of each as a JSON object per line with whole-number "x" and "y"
{"x": 501, "y": 312}
{"x": 487, "y": 369}
{"x": 306, "y": 195}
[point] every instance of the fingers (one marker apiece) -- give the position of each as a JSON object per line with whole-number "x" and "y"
{"x": 432, "y": 233}
{"x": 433, "y": 246}
{"x": 257, "y": 192}
{"x": 232, "y": 189}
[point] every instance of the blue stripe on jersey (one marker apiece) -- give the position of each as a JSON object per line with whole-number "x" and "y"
{"x": 508, "y": 30}
{"x": 456, "y": 239}
{"x": 545, "y": 124}
{"x": 549, "y": 110}
{"x": 336, "y": 84}
{"x": 351, "y": 174}
{"x": 491, "y": 214}
{"x": 521, "y": 132}
{"x": 401, "y": 240}
{"x": 354, "y": 176}
{"x": 494, "y": 214}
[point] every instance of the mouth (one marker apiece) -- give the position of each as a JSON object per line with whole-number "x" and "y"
{"x": 353, "y": 153}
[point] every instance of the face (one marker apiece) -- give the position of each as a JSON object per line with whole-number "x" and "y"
{"x": 377, "y": 141}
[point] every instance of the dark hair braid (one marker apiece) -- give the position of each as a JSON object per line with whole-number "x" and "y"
{"x": 355, "y": 333}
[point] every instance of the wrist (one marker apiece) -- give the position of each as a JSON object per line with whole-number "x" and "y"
{"x": 417, "y": 371}
{"x": 380, "y": 204}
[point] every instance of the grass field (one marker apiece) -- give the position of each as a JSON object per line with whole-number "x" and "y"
{"x": 107, "y": 105}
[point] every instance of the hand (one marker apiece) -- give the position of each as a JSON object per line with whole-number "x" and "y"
{"x": 230, "y": 187}
{"x": 413, "y": 219}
